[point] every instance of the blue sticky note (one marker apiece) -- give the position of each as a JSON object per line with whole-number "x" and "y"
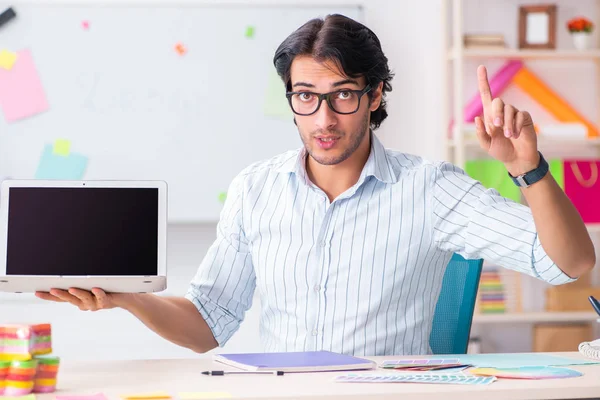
{"x": 55, "y": 166}
{"x": 517, "y": 360}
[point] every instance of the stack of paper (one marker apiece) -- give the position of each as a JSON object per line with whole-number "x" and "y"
{"x": 458, "y": 379}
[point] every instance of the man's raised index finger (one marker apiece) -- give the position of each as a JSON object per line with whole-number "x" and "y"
{"x": 484, "y": 87}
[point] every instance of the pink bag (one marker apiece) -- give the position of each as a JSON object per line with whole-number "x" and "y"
{"x": 583, "y": 188}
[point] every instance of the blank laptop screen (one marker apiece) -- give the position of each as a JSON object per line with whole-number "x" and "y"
{"x": 82, "y": 231}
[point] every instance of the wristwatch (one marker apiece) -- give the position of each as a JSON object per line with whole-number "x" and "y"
{"x": 529, "y": 178}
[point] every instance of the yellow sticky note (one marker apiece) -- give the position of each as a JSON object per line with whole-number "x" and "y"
{"x": 62, "y": 147}
{"x": 151, "y": 395}
{"x": 26, "y": 397}
{"x": 7, "y": 59}
{"x": 204, "y": 395}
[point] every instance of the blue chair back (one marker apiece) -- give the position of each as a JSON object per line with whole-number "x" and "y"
{"x": 454, "y": 310}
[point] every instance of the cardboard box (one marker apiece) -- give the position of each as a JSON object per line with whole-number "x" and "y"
{"x": 564, "y": 298}
{"x": 560, "y": 337}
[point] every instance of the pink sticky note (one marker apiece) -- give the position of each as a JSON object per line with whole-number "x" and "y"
{"x": 97, "y": 396}
{"x": 21, "y": 91}
{"x": 85, "y": 24}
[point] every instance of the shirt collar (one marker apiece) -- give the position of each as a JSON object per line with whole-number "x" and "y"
{"x": 377, "y": 165}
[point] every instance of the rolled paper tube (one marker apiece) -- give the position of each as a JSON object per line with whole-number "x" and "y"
{"x": 16, "y": 392}
{"x": 22, "y": 371}
{"x": 18, "y": 366}
{"x": 23, "y": 364}
{"x": 48, "y": 368}
{"x": 44, "y": 389}
{"x": 15, "y": 348}
{"x": 45, "y": 382}
{"x": 48, "y": 360}
{"x": 46, "y": 375}
{"x": 14, "y": 342}
{"x": 19, "y": 385}
{"x": 15, "y": 357}
{"x": 20, "y": 378}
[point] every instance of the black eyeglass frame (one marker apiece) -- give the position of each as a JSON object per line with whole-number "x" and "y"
{"x": 327, "y": 98}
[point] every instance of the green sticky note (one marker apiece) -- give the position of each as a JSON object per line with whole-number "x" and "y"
{"x": 558, "y": 172}
{"x": 276, "y": 104}
{"x": 222, "y": 197}
{"x": 249, "y": 32}
{"x": 62, "y": 147}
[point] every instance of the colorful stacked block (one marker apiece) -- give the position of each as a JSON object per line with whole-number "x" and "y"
{"x": 4, "y": 367}
{"x": 45, "y": 377}
{"x": 22, "y": 369}
{"x": 23, "y": 342}
{"x": 20, "y": 378}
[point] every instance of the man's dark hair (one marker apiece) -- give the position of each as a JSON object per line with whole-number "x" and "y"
{"x": 354, "y": 48}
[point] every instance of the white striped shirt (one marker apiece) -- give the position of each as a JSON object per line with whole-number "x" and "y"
{"x": 360, "y": 275}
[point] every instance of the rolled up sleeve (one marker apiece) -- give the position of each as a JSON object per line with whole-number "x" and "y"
{"x": 477, "y": 222}
{"x": 223, "y": 287}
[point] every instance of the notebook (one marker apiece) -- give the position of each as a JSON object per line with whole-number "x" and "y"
{"x": 307, "y": 361}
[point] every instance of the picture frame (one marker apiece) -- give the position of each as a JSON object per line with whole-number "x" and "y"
{"x": 537, "y": 26}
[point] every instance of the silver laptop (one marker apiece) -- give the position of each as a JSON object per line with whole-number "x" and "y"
{"x": 85, "y": 234}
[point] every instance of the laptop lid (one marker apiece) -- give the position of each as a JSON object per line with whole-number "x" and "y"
{"x": 83, "y": 228}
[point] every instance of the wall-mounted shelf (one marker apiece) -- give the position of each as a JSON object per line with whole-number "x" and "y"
{"x": 524, "y": 54}
{"x": 536, "y": 317}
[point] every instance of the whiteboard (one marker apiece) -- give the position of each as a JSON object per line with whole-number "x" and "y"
{"x": 137, "y": 109}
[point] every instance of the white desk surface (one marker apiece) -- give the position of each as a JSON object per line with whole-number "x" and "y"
{"x": 116, "y": 378}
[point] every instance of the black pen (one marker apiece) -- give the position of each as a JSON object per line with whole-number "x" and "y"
{"x": 219, "y": 373}
{"x": 595, "y": 304}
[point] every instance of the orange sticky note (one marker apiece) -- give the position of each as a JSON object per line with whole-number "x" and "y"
{"x": 204, "y": 395}
{"x": 150, "y": 395}
{"x": 180, "y": 49}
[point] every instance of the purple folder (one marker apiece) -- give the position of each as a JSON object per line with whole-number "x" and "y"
{"x": 306, "y": 361}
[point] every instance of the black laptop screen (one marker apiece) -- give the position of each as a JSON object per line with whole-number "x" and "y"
{"x": 82, "y": 231}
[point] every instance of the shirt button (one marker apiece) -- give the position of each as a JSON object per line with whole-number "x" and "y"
{"x": 323, "y": 244}
{"x": 315, "y": 333}
{"x": 317, "y": 288}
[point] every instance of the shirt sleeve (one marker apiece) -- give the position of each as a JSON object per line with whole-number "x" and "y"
{"x": 477, "y": 222}
{"x": 223, "y": 287}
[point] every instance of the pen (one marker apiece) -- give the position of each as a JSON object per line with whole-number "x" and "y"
{"x": 595, "y": 304}
{"x": 219, "y": 373}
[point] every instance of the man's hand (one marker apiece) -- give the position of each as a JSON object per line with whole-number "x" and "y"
{"x": 506, "y": 133}
{"x": 95, "y": 300}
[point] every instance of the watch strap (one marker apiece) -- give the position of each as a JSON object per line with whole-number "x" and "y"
{"x": 529, "y": 178}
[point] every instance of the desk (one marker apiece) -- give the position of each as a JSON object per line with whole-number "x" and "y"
{"x": 174, "y": 376}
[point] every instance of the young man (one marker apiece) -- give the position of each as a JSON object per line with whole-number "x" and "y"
{"x": 347, "y": 242}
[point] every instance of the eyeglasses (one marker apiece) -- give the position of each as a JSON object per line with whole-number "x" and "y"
{"x": 341, "y": 101}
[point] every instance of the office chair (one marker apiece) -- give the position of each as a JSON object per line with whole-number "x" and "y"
{"x": 454, "y": 310}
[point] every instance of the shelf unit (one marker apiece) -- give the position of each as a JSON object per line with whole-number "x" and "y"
{"x": 456, "y": 54}
{"x": 536, "y": 317}
{"x": 463, "y": 143}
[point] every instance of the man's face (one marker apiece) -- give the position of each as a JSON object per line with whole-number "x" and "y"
{"x": 330, "y": 138}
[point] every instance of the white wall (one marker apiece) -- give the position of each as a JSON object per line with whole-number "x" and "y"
{"x": 115, "y": 334}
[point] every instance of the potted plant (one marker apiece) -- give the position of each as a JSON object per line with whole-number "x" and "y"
{"x": 581, "y": 30}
